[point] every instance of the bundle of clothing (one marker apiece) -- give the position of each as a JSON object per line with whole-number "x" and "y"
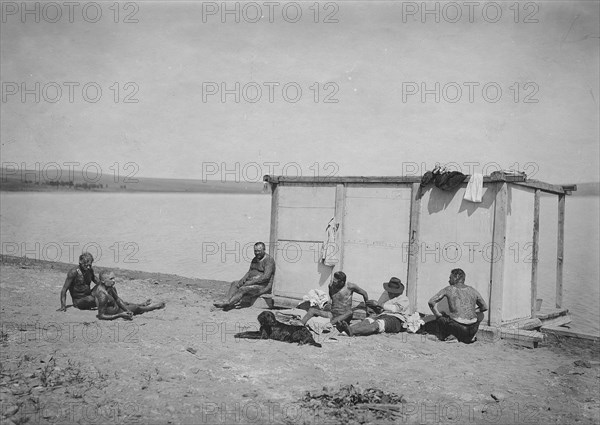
{"x": 442, "y": 178}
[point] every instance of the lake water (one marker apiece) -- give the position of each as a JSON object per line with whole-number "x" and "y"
{"x": 211, "y": 237}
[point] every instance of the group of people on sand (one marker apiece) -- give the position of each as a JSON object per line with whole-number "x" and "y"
{"x": 103, "y": 296}
{"x": 465, "y": 304}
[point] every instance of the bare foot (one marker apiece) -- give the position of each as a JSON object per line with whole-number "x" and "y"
{"x": 345, "y": 328}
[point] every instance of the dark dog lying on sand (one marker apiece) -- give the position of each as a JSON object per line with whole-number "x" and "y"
{"x": 270, "y": 328}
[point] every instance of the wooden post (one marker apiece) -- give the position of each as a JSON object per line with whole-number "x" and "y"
{"x": 535, "y": 251}
{"x": 274, "y": 215}
{"x": 498, "y": 250}
{"x": 413, "y": 247}
{"x": 340, "y": 204}
{"x": 560, "y": 250}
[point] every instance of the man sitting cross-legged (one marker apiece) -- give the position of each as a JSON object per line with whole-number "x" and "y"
{"x": 340, "y": 294}
{"x": 111, "y": 306}
{"x": 466, "y": 307}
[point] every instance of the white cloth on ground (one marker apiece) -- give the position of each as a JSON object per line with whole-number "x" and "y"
{"x": 317, "y": 298}
{"x": 413, "y": 322}
{"x": 319, "y": 324}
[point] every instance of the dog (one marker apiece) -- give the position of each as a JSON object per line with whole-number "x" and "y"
{"x": 270, "y": 328}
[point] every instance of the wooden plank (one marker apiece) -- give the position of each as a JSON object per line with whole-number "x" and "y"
{"x": 558, "y": 321}
{"x": 340, "y": 209}
{"x": 526, "y": 324}
{"x": 274, "y": 211}
{"x": 342, "y": 179}
{"x": 560, "y": 250}
{"x": 412, "y": 277}
{"x": 544, "y": 187}
{"x": 518, "y": 180}
{"x": 535, "y": 250}
{"x": 549, "y": 313}
{"x": 522, "y": 337}
{"x": 393, "y": 180}
{"x": 497, "y": 261}
{"x": 557, "y": 330}
{"x": 286, "y": 302}
{"x": 273, "y": 233}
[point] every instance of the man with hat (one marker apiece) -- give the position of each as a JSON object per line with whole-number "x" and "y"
{"x": 395, "y": 306}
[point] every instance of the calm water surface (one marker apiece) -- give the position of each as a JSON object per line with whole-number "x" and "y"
{"x": 211, "y": 236}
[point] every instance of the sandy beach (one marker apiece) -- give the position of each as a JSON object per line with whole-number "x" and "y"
{"x": 183, "y": 365}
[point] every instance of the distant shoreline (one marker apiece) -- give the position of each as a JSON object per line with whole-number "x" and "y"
{"x": 106, "y": 184}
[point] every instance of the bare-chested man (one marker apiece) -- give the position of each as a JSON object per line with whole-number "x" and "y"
{"x": 78, "y": 284}
{"x": 256, "y": 282}
{"x": 111, "y": 306}
{"x": 340, "y": 294}
{"x": 466, "y": 307}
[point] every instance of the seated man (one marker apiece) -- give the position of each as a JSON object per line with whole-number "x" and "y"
{"x": 256, "y": 282}
{"x": 340, "y": 294}
{"x": 78, "y": 284}
{"x": 392, "y": 317}
{"x": 463, "y": 302}
{"x": 111, "y": 306}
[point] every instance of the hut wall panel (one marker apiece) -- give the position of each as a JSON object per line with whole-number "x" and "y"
{"x": 376, "y": 231}
{"x": 516, "y": 296}
{"x": 454, "y": 233}
{"x": 299, "y": 270}
{"x": 302, "y": 216}
{"x": 303, "y": 212}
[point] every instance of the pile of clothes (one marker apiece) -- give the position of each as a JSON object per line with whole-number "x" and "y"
{"x": 442, "y": 178}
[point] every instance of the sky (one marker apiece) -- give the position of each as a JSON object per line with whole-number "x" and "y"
{"x": 346, "y": 88}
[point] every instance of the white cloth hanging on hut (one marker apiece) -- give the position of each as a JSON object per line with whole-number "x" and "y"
{"x": 474, "y": 191}
{"x": 330, "y": 251}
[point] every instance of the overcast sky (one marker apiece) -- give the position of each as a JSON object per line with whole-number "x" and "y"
{"x": 361, "y": 107}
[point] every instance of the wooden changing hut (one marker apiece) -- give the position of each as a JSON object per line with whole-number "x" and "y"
{"x": 388, "y": 226}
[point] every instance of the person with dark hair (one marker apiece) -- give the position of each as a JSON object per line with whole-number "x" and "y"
{"x": 340, "y": 294}
{"x": 78, "y": 284}
{"x": 256, "y": 282}
{"x": 392, "y": 316}
{"x": 466, "y": 307}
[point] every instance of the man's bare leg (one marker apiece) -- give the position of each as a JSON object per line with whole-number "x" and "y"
{"x": 232, "y": 291}
{"x": 143, "y": 308}
{"x": 363, "y": 328}
{"x": 312, "y": 312}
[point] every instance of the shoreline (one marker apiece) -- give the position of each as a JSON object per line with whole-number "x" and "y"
{"x": 125, "y": 274}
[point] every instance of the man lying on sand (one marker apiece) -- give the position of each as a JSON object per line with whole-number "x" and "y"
{"x": 78, "y": 284}
{"x": 111, "y": 306}
{"x": 392, "y": 317}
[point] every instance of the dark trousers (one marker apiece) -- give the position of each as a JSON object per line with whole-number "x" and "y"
{"x": 464, "y": 333}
